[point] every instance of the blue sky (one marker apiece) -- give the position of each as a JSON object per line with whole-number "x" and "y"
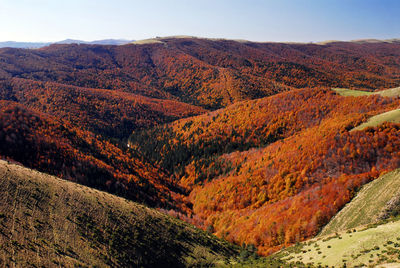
{"x": 257, "y": 20}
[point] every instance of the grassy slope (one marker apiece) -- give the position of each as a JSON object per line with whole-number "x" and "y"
{"x": 350, "y": 92}
{"x": 391, "y": 116}
{"x": 392, "y": 92}
{"x": 372, "y": 246}
{"x": 367, "y": 205}
{"x": 48, "y": 221}
{"x": 347, "y": 239}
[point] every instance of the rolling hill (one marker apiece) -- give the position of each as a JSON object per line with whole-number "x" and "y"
{"x": 46, "y": 221}
{"x": 391, "y": 116}
{"x": 107, "y": 112}
{"x": 244, "y": 139}
{"x": 351, "y": 92}
{"x": 391, "y": 92}
{"x": 363, "y": 233}
{"x": 376, "y": 246}
{"x": 244, "y": 125}
{"x": 51, "y": 145}
{"x": 278, "y": 191}
{"x": 377, "y": 200}
{"x": 208, "y": 73}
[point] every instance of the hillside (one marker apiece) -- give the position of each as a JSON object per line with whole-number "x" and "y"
{"x": 351, "y": 92}
{"x": 208, "y": 73}
{"x": 377, "y": 200}
{"x": 278, "y": 191}
{"x": 363, "y": 233}
{"x": 46, "y": 221}
{"x": 51, "y": 145}
{"x": 391, "y": 92}
{"x": 238, "y": 127}
{"x": 279, "y": 197}
{"x": 107, "y": 112}
{"x": 243, "y": 139}
{"x": 391, "y": 116}
{"x": 377, "y": 246}
{"x": 244, "y": 125}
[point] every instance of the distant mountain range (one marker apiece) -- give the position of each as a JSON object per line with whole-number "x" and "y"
{"x": 66, "y": 41}
{"x": 15, "y": 44}
{"x": 96, "y": 42}
{"x": 23, "y": 44}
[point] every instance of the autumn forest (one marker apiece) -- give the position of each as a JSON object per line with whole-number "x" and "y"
{"x": 244, "y": 140}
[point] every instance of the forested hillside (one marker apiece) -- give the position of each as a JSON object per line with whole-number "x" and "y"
{"x": 110, "y": 113}
{"x": 247, "y": 140}
{"x": 209, "y": 73}
{"x": 271, "y": 172}
{"x": 48, "y": 144}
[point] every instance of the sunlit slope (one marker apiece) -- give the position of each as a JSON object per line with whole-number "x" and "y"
{"x": 392, "y": 92}
{"x": 391, "y": 116}
{"x": 372, "y": 203}
{"x": 46, "y": 221}
{"x": 361, "y": 247}
{"x": 284, "y": 189}
{"x": 245, "y": 125}
{"x": 350, "y": 92}
{"x": 288, "y": 190}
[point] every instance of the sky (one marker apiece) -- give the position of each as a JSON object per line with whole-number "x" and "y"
{"x": 255, "y": 20}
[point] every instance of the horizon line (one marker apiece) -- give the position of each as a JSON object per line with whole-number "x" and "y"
{"x": 395, "y": 39}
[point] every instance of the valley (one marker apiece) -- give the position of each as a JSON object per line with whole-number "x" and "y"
{"x": 237, "y": 152}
